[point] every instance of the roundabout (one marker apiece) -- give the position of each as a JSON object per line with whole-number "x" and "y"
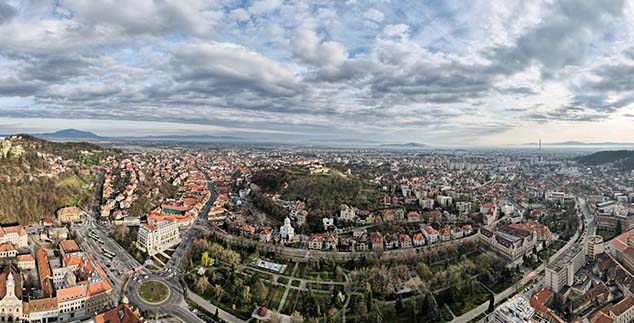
{"x": 153, "y": 292}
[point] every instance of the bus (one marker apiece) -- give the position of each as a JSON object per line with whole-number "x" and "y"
{"x": 109, "y": 254}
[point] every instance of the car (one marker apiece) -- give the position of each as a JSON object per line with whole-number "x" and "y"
{"x": 146, "y": 276}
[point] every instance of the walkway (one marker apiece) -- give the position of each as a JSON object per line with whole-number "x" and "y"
{"x": 211, "y": 308}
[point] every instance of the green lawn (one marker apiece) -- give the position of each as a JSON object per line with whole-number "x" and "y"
{"x": 153, "y": 291}
{"x": 282, "y": 280}
{"x": 296, "y": 283}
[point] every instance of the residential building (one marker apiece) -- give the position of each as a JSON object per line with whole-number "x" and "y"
{"x": 316, "y": 242}
{"x": 561, "y": 272}
{"x": 431, "y": 234}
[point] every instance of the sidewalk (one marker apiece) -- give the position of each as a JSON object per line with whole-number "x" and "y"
{"x": 211, "y": 308}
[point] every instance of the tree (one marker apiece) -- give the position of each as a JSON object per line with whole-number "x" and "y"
{"x": 245, "y": 295}
{"x": 424, "y": 272}
{"x": 260, "y": 291}
{"x": 432, "y": 306}
{"x": 201, "y": 284}
{"x": 218, "y": 292}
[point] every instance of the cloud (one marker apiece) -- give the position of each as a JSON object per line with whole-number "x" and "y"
{"x": 7, "y": 12}
{"x": 446, "y": 71}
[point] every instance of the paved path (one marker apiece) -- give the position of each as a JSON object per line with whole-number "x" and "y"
{"x": 211, "y": 308}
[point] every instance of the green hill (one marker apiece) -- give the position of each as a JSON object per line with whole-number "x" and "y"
{"x": 37, "y": 176}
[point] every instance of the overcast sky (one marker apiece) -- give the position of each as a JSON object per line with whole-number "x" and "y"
{"x": 436, "y": 72}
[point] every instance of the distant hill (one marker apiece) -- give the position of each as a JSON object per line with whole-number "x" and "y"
{"x": 405, "y": 145}
{"x": 69, "y": 134}
{"x": 580, "y": 144}
{"x": 620, "y": 158}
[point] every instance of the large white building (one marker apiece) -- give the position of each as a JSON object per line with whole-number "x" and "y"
{"x": 561, "y": 272}
{"x": 157, "y": 236}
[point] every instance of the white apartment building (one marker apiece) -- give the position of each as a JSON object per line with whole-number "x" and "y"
{"x": 562, "y": 271}
{"x": 158, "y": 236}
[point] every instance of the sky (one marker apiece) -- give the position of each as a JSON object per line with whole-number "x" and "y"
{"x": 433, "y": 72}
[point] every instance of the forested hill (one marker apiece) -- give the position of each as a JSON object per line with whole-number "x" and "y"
{"x": 620, "y": 158}
{"x": 37, "y": 177}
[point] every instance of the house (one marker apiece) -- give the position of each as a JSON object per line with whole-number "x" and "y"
{"x": 347, "y": 213}
{"x": 413, "y": 216}
{"x": 467, "y": 229}
{"x": 456, "y": 232}
{"x": 362, "y": 243}
{"x": 331, "y": 242}
{"x": 419, "y": 240}
{"x": 265, "y": 235}
{"x": 329, "y": 223}
{"x": 47, "y": 222}
{"x": 316, "y": 242}
{"x": 247, "y": 230}
{"x": 431, "y": 235}
{"x": 444, "y": 235}
{"x": 406, "y": 241}
{"x": 391, "y": 241}
{"x": 377, "y": 241}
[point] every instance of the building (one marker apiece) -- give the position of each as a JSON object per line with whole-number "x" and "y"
{"x": 15, "y": 235}
{"x": 515, "y": 310}
{"x": 347, "y": 213}
{"x": 10, "y": 295}
{"x": 287, "y": 232}
{"x": 71, "y": 302}
{"x": 44, "y": 272}
{"x": 156, "y": 237}
{"x": 40, "y": 310}
{"x": 26, "y": 262}
{"x": 511, "y": 243}
{"x": 431, "y": 234}
{"x": 623, "y": 311}
{"x": 316, "y": 242}
{"x": 68, "y": 214}
{"x": 561, "y": 272}
{"x": 120, "y": 314}
{"x": 7, "y": 250}
{"x": 594, "y": 247}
